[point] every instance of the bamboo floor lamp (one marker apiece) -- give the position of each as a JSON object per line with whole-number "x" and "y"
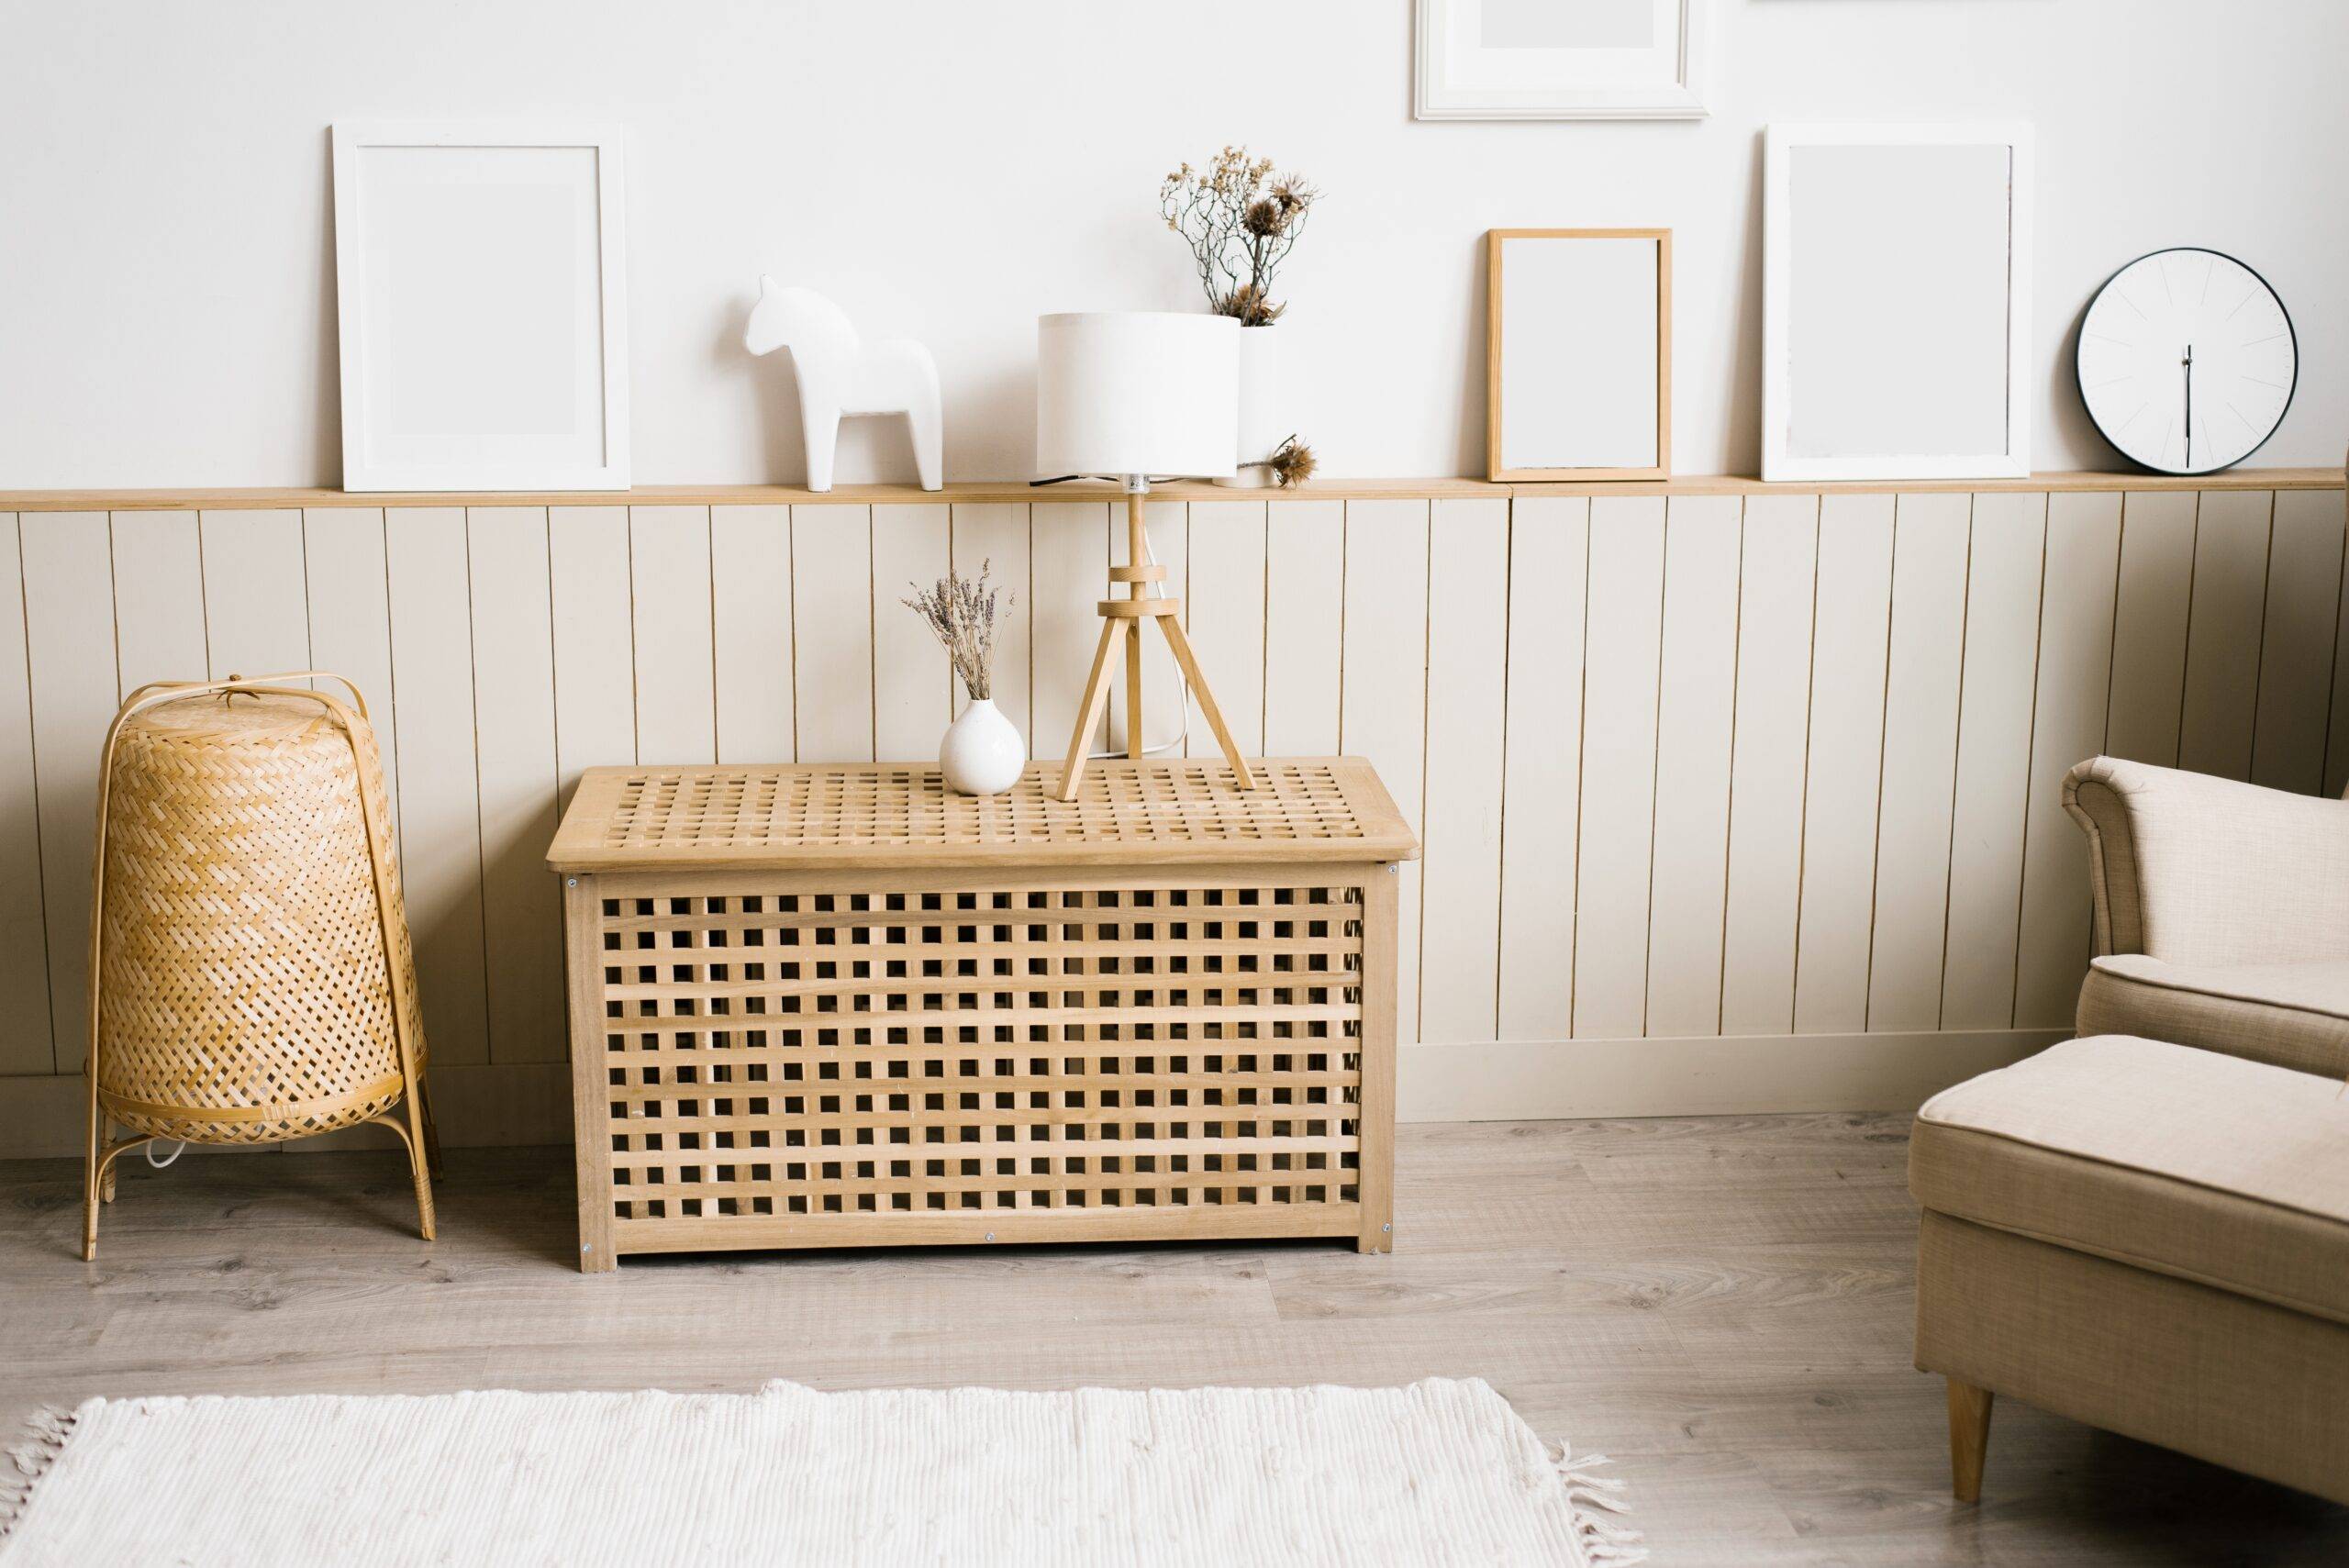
{"x": 1127, "y": 394}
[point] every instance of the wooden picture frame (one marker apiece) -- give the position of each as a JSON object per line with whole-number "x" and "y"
{"x": 1897, "y": 272}
{"x": 1592, "y": 336}
{"x": 481, "y": 284}
{"x": 1536, "y": 60}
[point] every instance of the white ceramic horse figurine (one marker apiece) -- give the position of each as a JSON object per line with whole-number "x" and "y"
{"x": 839, "y": 374}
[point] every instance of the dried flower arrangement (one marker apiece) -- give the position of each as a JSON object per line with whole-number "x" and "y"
{"x": 1241, "y": 220}
{"x": 960, "y": 612}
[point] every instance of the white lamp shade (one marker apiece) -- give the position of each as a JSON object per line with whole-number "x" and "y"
{"x": 1137, "y": 392}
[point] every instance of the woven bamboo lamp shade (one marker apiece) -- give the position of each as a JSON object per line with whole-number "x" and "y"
{"x": 251, "y": 973}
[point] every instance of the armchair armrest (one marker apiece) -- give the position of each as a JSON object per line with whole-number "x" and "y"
{"x": 2193, "y": 869}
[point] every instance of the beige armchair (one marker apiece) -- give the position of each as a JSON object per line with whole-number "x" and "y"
{"x": 2222, "y": 914}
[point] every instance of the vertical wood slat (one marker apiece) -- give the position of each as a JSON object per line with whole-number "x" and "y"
{"x": 25, "y": 1046}
{"x": 1622, "y": 640}
{"x": 2075, "y": 638}
{"x": 1777, "y": 586}
{"x": 913, "y": 680}
{"x": 752, "y": 595}
{"x": 1844, "y": 764}
{"x": 1921, "y": 712}
{"x": 69, "y": 654}
{"x": 1998, "y": 686}
{"x": 1541, "y": 775}
{"x": 670, "y": 587}
{"x": 1467, "y": 650}
{"x": 2336, "y": 747}
{"x": 519, "y": 779}
{"x": 2223, "y": 633}
{"x": 1225, "y": 615}
{"x": 1696, "y": 712}
{"x": 1069, "y": 572}
{"x": 158, "y": 598}
{"x": 256, "y": 598}
{"x": 2297, "y": 642}
{"x": 351, "y": 621}
{"x": 427, "y": 567}
{"x": 992, "y": 537}
{"x": 1305, "y": 559}
{"x": 2151, "y": 602}
{"x": 1383, "y": 713}
{"x": 831, "y": 621}
{"x": 594, "y": 661}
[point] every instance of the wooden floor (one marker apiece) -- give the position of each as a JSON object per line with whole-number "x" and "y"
{"x": 1722, "y": 1304}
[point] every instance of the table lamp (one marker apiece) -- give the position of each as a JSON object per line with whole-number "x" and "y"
{"x": 1127, "y": 394}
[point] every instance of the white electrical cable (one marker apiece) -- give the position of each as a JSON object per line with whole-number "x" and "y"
{"x": 159, "y": 1164}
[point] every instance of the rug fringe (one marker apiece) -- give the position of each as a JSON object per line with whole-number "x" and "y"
{"x": 1604, "y": 1544}
{"x": 47, "y": 1432}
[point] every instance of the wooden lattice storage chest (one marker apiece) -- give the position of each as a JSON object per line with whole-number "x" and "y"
{"x": 824, "y": 1005}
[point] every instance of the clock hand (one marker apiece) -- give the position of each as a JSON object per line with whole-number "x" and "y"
{"x": 2189, "y": 405}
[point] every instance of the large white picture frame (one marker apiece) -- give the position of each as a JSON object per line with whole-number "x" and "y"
{"x": 482, "y": 294}
{"x": 1540, "y": 60}
{"x": 1897, "y": 263}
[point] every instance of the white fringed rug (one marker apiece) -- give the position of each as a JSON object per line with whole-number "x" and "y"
{"x": 1438, "y": 1472}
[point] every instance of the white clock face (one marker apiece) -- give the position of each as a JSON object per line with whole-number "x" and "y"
{"x": 2186, "y": 361}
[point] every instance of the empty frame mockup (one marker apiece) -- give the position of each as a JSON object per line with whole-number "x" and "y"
{"x": 483, "y": 303}
{"x": 1897, "y": 308}
{"x": 1578, "y": 353}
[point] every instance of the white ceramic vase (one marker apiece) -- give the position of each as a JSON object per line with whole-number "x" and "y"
{"x": 1260, "y": 406}
{"x": 982, "y": 753}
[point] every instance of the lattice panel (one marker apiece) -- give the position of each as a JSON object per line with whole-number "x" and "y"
{"x": 981, "y": 1052}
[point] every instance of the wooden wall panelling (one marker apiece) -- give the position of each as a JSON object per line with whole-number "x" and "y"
{"x": 1845, "y": 762}
{"x": 425, "y": 564}
{"x": 1468, "y": 603}
{"x": 1622, "y": 641}
{"x": 1305, "y": 559}
{"x": 1069, "y": 574}
{"x": 351, "y": 618}
{"x": 2076, "y": 627}
{"x": 1920, "y": 711}
{"x": 513, "y": 629}
{"x": 2297, "y": 642}
{"x": 994, "y": 536}
{"x": 831, "y": 621}
{"x": 1165, "y": 695}
{"x": 1226, "y": 616}
{"x": 594, "y": 655}
{"x": 1541, "y": 774}
{"x": 751, "y": 594}
{"x": 256, "y": 595}
{"x": 2153, "y": 596}
{"x": 1696, "y": 718}
{"x": 913, "y": 683}
{"x": 69, "y": 656}
{"x": 25, "y": 1045}
{"x": 1779, "y": 583}
{"x": 2222, "y": 632}
{"x": 670, "y": 589}
{"x": 158, "y": 598}
{"x": 1997, "y": 690}
{"x": 1384, "y": 714}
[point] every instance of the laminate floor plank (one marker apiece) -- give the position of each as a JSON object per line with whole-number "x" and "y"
{"x": 1722, "y": 1305}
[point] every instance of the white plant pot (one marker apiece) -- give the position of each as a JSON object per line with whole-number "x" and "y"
{"x": 1260, "y": 406}
{"x": 982, "y": 753}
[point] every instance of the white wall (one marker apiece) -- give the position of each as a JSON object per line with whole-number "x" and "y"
{"x": 952, "y": 169}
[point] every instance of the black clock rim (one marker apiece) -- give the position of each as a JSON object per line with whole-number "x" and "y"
{"x": 2080, "y": 348}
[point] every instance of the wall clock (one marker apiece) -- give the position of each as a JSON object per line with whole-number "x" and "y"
{"x": 2188, "y": 361}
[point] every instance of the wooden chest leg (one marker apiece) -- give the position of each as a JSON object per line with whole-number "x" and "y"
{"x": 1969, "y": 1439}
{"x": 1375, "y": 1128}
{"x": 590, "y": 1097}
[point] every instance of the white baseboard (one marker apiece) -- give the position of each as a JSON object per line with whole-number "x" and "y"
{"x": 530, "y": 1101}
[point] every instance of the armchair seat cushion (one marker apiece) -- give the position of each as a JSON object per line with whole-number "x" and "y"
{"x": 2231, "y": 1174}
{"x": 2287, "y": 1014}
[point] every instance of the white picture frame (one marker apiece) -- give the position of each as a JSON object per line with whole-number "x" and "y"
{"x": 1539, "y": 60}
{"x": 481, "y": 283}
{"x": 1578, "y": 354}
{"x": 1896, "y": 269}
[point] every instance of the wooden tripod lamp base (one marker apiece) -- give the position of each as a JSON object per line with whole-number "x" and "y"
{"x": 1121, "y": 620}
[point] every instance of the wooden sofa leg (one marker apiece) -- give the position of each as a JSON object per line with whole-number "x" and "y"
{"x": 1969, "y": 1438}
